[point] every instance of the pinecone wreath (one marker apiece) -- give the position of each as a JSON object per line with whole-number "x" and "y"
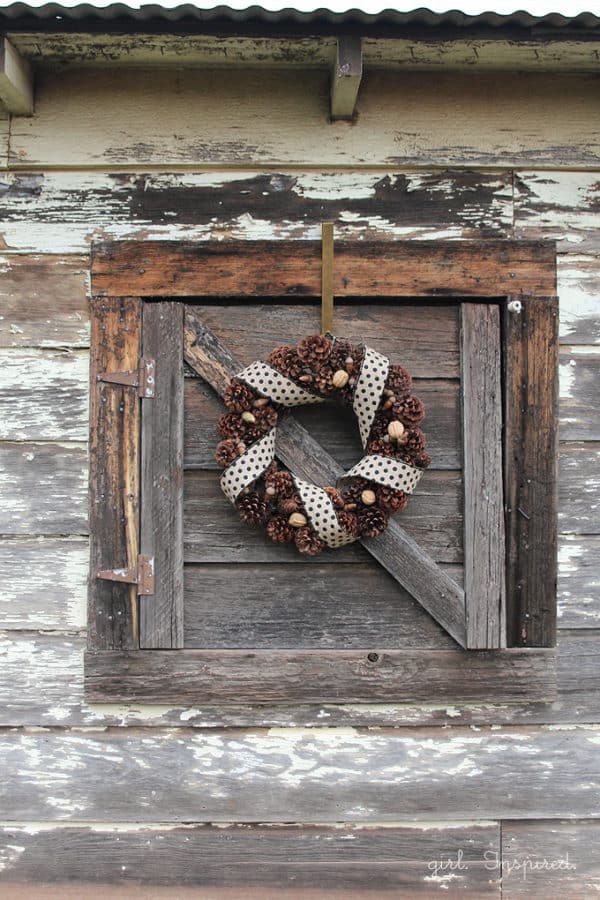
{"x": 389, "y": 417}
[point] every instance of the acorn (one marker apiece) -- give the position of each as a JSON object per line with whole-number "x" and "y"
{"x": 340, "y": 378}
{"x": 297, "y": 520}
{"x": 262, "y": 401}
{"x": 368, "y": 497}
{"x": 395, "y": 430}
{"x": 248, "y": 418}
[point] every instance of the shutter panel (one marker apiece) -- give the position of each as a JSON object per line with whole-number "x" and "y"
{"x": 161, "y": 527}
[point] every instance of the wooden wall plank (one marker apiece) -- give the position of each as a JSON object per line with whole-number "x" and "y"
{"x": 484, "y": 548}
{"x": 578, "y": 487}
{"x": 551, "y": 859}
{"x": 213, "y": 531}
{"x": 42, "y": 684}
{"x": 276, "y": 269}
{"x": 531, "y": 425}
{"x": 343, "y": 606}
{"x": 298, "y": 860}
{"x": 578, "y": 290}
{"x": 161, "y": 522}
{"x": 579, "y": 581}
{"x": 114, "y": 472}
{"x": 559, "y": 206}
{"x": 44, "y": 488}
{"x": 44, "y": 395}
{"x": 44, "y": 583}
{"x": 43, "y": 299}
{"x": 579, "y": 375}
{"x": 61, "y": 212}
{"x": 407, "y": 118}
{"x": 312, "y": 775}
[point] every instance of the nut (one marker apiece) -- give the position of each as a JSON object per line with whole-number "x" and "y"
{"x": 297, "y": 520}
{"x": 395, "y": 430}
{"x": 262, "y": 401}
{"x": 248, "y": 417}
{"x": 340, "y": 378}
{"x": 368, "y": 497}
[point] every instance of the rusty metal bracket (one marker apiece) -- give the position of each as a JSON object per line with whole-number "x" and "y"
{"x": 142, "y": 575}
{"x": 143, "y": 378}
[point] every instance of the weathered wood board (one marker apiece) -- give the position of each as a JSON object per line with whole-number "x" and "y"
{"x": 405, "y": 118}
{"x": 579, "y": 581}
{"x": 561, "y": 206}
{"x": 578, "y": 488}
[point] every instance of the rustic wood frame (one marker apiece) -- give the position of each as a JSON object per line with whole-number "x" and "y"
{"x": 486, "y": 278}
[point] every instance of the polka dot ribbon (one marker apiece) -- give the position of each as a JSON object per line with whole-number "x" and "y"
{"x": 317, "y": 503}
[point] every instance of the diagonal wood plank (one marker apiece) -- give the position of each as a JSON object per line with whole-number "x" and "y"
{"x": 395, "y": 550}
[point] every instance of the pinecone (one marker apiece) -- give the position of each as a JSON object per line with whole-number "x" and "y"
{"x": 279, "y": 530}
{"x": 410, "y": 410}
{"x": 281, "y": 482}
{"x": 422, "y": 460}
{"x": 285, "y": 360}
{"x": 289, "y": 505}
{"x": 349, "y": 522}
{"x": 372, "y": 521}
{"x": 227, "y": 451}
{"x": 415, "y": 442}
{"x": 229, "y": 425}
{"x": 239, "y": 397}
{"x": 391, "y": 500}
{"x": 314, "y": 349}
{"x": 252, "y": 508}
{"x": 266, "y": 418}
{"x": 381, "y": 448}
{"x": 336, "y": 497}
{"x": 351, "y": 493}
{"x": 323, "y": 380}
{"x": 379, "y": 428}
{"x": 398, "y": 381}
{"x": 308, "y": 541}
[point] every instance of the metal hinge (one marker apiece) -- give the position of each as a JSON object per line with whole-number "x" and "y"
{"x": 142, "y": 575}
{"x": 143, "y": 378}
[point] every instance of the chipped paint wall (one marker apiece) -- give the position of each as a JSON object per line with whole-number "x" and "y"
{"x": 184, "y": 154}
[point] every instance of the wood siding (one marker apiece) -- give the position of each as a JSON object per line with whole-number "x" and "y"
{"x": 430, "y": 156}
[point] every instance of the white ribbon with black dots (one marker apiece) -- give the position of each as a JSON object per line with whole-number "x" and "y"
{"x": 319, "y": 507}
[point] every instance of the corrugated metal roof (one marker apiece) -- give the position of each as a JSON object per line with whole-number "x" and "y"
{"x": 535, "y": 14}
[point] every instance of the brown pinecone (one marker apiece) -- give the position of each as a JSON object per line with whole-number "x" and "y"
{"x": 415, "y": 442}
{"x": 353, "y": 490}
{"x": 289, "y": 505}
{"x": 323, "y": 380}
{"x": 281, "y": 482}
{"x": 314, "y": 349}
{"x": 372, "y": 521}
{"x": 349, "y": 522}
{"x": 285, "y": 360}
{"x": 391, "y": 500}
{"x": 398, "y": 381}
{"x": 229, "y": 425}
{"x": 239, "y": 397}
{"x": 336, "y": 497}
{"x": 252, "y": 508}
{"x": 381, "y": 448}
{"x": 410, "y": 410}
{"x": 279, "y": 530}
{"x": 308, "y": 541}
{"x": 422, "y": 460}
{"x": 227, "y": 451}
{"x": 379, "y": 428}
{"x": 266, "y": 418}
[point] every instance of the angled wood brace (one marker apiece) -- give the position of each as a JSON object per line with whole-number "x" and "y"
{"x": 346, "y": 77}
{"x": 16, "y": 81}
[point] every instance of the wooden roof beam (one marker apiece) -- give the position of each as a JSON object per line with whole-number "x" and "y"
{"x": 346, "y": 77}
{"x": 16, "y": 80}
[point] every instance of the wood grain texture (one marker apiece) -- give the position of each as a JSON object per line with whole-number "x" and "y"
{"x": 558, "y": 206}
{"x": 340, "y": 606}
{"x": 42, "y": 683}
{"x": 579, "y": 581}
{"x": 578, "y": 487}
{"x": 161, "y": 521}
{"x": 213, "y": 531}
{"x": 61, "y": 212}
{"x": 365, "y": 269}
{"x": 484, "y": 548}
{"x": 551, "y": 859}
{"x": 395, "y": 550}
{"x": 44, "y": 395}
{"x": 114, "y": 472}
{"x": 43, "y": 299}
{"x": 578, "y": 290}
{"x": 44, "y": 488}
{"x": 314, "y": 775}
{"x": 44, "y": 583}
{"x": 274, "y": 117}
{"x": 531, "y": 425}
{"x": 298, "y": 860}
{"x": 579, "y": 375}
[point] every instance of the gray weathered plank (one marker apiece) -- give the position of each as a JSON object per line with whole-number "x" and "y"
{"x": 343, "y": 606}
{"x": 44, "y": 395}
{"x": 579, "y": 375}
{"x": 578, "y": 289}
{"x": 578, "y": 488}
{"x": 346, "y": 861}
{"x": 559, "y": 206}
{"x": 579, "y": 581}
{"x": 43, "y": 299}
{"x": 161, "y": 520}
{"x": 44, "y": 488}
{"x": 44, "y": 583}
{"x": 336, "y": 432}
{"x": 395, "y": 550}
{"x": 484, "y": 551}
{"x": 213, "y": 531}
{"x": 42, "y": 683}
